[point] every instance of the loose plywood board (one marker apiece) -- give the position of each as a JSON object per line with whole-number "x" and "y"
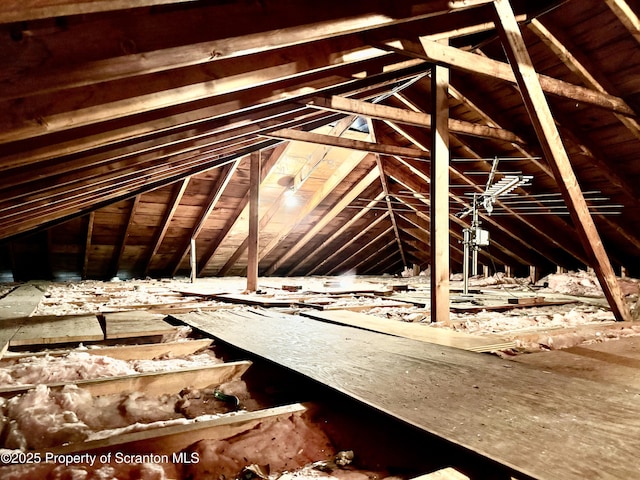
{"x": 21, "y": 301}
{"x": 45, "y": 330}
{"x": 136, "y": 324}
{"x": 258, "y": 300}
{"x": 15, "y": 307}
{"x": 415, "y": 331}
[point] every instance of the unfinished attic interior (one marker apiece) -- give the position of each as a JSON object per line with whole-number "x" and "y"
{"x": 354, "y": 240}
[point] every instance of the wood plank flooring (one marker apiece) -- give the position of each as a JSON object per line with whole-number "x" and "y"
{"x": 16, "y": 306}
{"x": 540, "y": 424}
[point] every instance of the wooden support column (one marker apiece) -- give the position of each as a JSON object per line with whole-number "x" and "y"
{"x": 87, "y": 244}
{"x": 254, "y": 218}
{"x": 549, "y": 137}
{"x": 439, "y": 192}
{"x": 194, "y": 261}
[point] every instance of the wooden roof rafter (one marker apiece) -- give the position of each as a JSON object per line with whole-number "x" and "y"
{"x": 267, "y": 165}
{"x": 350, "y": 262}
{"x": 339, "y": 253}
{"x": 346, "y": 199}
{"x": 176, "y": 196}
{"x": 336, "y": 234}
{"x": 226, "y": 174}
{"x": 533, "y": 95}
{"x": 374, "y": 256}
{"x": 385, "y": 190}
{"x": 412, "y": 178}
{"x": 463, "y": 179}
{"x": 119, "y": 252}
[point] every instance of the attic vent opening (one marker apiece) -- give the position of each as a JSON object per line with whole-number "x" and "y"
{"x": 360, "y": 124}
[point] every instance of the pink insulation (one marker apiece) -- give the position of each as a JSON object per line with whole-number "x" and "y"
{"x": 78, "y": 365}
{"x": 284, "y": 444}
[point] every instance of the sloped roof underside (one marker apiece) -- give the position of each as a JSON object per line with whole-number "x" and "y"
{"x": 124, "y": 134}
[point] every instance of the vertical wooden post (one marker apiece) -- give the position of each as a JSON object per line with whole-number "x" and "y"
{"x": 254, "y": 203}
{"x": 194, "y": 262}
{"x": 87, "y": 245}
{"x": 439, "y": 192}
{"x": 557, "y": 156}
{"x": 533, "y": 273}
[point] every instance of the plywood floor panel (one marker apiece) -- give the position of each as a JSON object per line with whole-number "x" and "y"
{"x": 540, "y": 424}
{"x": 44, "y": 330}
{"x": 415, "y": 331}
{"x": 136, "y": 324}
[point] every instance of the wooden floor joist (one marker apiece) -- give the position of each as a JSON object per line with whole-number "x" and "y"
{"x": 153, "y": 383}
{"x": 172, "y": 439}
{"x": 146, "y": 351}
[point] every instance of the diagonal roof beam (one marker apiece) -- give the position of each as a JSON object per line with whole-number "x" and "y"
{"x": 317, "y": 156}
{"x": 409, "y": 180}
{"x": 363, "y": 260}
{"x": 170, "y": 211}
{"x": 348, "y": 243}
{"x": 385, "y": 190}
{"x": 474, "y": 63}
{"x": 346, "y": 226}
{"x": 224, "y": 178}
{"x": 542, "y": 119}
{"x": 337, "y": 177}
{"x": 562, "y": 47}
{"x": 626, "y": 15}
{"x": 490, "y": 220}
{"x": 473, "y": 155}
{"x": 233, "y": 218}
{"x": 358, "y": 253}
{"x": 115, "y": 265}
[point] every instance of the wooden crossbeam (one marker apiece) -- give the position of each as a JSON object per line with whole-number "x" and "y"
{"x": 473, "y": 63}
{"x": 394, "y": 114}
{"x": 360, "y": 145}
{"x": 549, "y": 137}
{"x": 19, "y": 10}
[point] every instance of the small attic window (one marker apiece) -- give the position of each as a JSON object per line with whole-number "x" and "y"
{"x": 359, "y": 125}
